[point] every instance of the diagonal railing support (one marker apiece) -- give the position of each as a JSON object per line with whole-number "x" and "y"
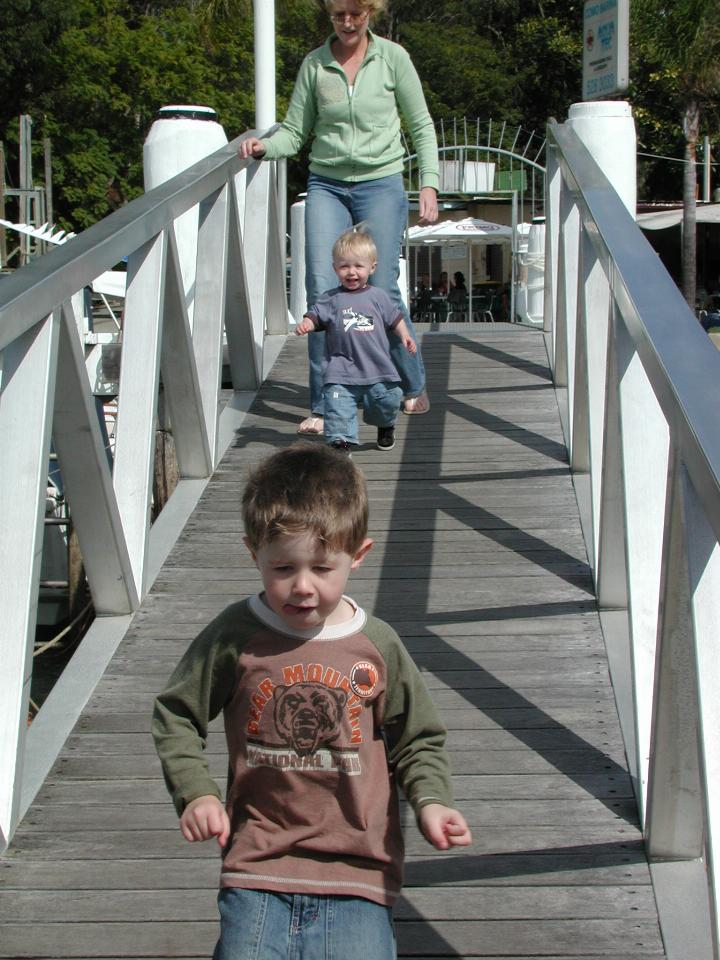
{"x": 87, "y": 480}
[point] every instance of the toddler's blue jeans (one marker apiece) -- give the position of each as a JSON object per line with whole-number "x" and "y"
{"x": 380, "y": 401}
{"x": 259, "y": 925}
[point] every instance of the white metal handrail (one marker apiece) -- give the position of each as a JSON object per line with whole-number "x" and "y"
{"x": 638, "y": 382}
{"x": 45, "y": 392}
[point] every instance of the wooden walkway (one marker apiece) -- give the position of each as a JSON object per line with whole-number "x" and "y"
{"x": 480, "y": 565}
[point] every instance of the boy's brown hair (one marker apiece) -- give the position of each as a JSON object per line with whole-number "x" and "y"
{"x": 306, "y": 488}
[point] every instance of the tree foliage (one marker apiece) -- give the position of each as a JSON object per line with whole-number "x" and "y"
{"x": 93, "y": 73}
{"x": 680, "y": 43}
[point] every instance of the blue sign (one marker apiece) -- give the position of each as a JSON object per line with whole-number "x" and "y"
{"x": 606, "y": 42}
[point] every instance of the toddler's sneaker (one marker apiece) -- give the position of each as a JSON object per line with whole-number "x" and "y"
{"x": 385, "y": 438}
{"x": 342, "y": 446}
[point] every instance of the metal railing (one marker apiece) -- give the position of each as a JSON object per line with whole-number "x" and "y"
{"x": 638, "y": 382}
{"x": 45, "y": 393}
{"x": 479, "y": 159}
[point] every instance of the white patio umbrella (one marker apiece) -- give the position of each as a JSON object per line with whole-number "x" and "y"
{"x": 662, "y": 219}
{"x": 469, "y": 230}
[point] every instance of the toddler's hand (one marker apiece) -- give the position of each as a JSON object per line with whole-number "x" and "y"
{"x": 203, "y": 818}
{"x": 410, "y": 345}
{"x": 305, "y": 326}
{"x": 444, "y": 827}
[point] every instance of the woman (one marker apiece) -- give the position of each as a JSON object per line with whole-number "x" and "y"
{"x": 457, "y": 297}
{"x": 348, "y": 98}
{"x": 458, "y": 293}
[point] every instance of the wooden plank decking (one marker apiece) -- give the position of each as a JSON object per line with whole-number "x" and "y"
{"x": 480, "y": 565}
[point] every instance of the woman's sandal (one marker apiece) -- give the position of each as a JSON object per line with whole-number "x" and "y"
{"x": 419, "y": 404}
{"x": 312, "y": 425}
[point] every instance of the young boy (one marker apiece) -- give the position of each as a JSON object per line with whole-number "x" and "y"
{"x": 356, "y": 317}
{"x": 324, "y": 711}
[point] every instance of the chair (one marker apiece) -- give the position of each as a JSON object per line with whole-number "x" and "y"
{"x": 483, "y": 306}
{"x": 438, "y": 310}
{"x": 457, "y": 309}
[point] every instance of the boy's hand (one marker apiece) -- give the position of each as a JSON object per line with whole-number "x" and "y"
{"x": 444, "y": 827}
{"x": 203, "y": 818}
{"x": 305, "y": 326}
{"x": 401, "y": 330}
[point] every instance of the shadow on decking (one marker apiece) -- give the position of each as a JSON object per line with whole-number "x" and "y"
{"x": 578, "y": 759}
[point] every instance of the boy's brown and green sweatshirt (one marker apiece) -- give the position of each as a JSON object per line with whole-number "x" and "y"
{"x": 319, "y": 725}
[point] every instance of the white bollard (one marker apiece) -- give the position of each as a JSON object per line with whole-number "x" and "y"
{"x": 607, "y": 129}
{"x": 180, "y": 136}
{"x": 535, "y": 261}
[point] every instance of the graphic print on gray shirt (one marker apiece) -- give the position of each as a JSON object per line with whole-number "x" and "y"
{"x": 356, "y": 343}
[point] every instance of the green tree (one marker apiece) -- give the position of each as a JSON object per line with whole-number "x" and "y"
{"x": 682, "y": 39}
{"x": 469, "y": 74}
{"x": 93, "y": 73}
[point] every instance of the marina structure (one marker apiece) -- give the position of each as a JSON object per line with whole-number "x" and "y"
{"x": 548, "y": 543}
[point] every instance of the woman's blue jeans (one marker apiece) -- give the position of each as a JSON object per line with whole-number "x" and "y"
{"x": 258, "y": 925}
{"x": 331, "y": 207}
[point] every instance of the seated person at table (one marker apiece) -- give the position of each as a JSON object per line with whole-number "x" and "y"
{"x": 440, "y": 287}
{"x": 423, "y": 297}
{"x": 458, "y": 294}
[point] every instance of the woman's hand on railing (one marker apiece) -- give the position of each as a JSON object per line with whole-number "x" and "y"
{"x": 428, "y": 207}
{"x": 253, "y": 148}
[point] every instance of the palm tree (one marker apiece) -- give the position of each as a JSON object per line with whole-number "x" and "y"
{"x": 684, "y": 35}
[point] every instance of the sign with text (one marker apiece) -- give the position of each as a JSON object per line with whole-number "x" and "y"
{"x": 606, "y": 40}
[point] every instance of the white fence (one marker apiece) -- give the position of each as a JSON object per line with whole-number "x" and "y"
{"x": 638, "y": 382}
{"x": 45, "y": 392}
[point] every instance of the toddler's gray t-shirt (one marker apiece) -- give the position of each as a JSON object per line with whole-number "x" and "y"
{"x": 356, "y": 343}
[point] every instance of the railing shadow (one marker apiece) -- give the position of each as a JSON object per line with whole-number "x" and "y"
{"x": 579, "y": 760}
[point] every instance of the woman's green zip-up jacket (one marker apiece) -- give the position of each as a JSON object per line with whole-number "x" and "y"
{"x": 356, "y": 133}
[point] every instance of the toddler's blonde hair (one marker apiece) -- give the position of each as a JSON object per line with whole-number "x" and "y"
{"x": 355, "y": 241}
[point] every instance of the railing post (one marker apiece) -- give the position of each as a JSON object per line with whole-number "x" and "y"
{"x": 566, "y": 309}
{"x": 139, "y": 379}
{"x": 645, "y": 447}
{"x": 593, "y": 314}
{"x": 264, "y": 33}
{"x": 674, "y": 827}
{"x": 298, "y": 293}
{"x": 26, "y": 398}
{"x": 553, "y": 184}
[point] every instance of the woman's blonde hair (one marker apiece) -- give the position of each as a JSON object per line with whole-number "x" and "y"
{"x": 373, "y": 7}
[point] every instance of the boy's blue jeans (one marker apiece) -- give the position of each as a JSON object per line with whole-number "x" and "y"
{"x": 381, "y": 403}
{"x": 259, "y": 925}
{"x": 331, "y": 207}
